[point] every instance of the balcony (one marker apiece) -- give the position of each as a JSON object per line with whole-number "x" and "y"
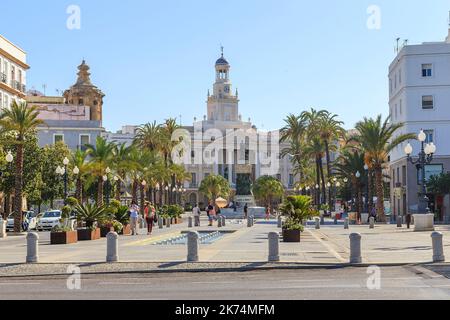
{"x": 3, "y": 77}
{"x": 193, "y": 185}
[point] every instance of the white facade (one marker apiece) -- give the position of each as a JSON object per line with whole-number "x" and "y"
{"x": 419, "y": 97}
{"x": 13, "y": 67}
{"x": 124, "y": 136}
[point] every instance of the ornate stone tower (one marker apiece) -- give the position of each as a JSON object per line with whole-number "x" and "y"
{"x": 83, "y": 92}
{"x": 223, "y": 105}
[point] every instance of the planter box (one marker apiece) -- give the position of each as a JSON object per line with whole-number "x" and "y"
{"x": 64, "y": 237}
{"x": 87, "y": 234}
{"x": 176, "y": 220}
{"x": 104, "y": 231}
{"x": 291, "y": 235}
{"x": 126, "y": 231}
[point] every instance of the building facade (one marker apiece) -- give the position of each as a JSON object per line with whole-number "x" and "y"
{"x": 124, "y": 136}
{"x": 419, "y": 97}
{"x": 13, "y": 68}
{"x": 75, "y": 118}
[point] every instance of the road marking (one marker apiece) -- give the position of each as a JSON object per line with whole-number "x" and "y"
{"x": 18, "y": 283}
{"x": 225, "y": 282}
{"x": 329, "y": 248}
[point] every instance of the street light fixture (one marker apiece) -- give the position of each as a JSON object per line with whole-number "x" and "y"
{"x": 425, "y": 157}
{"x": 76, "y": 171}
{"x": 9, "y": 157}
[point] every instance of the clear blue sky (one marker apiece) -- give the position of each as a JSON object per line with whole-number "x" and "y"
{"x": 155, "y": 59}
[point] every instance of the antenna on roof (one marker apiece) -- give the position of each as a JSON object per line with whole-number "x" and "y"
{"x": 396, "y": 50}
{"x": 44, "y": 86}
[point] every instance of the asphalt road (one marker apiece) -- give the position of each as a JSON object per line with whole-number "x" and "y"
{"x": 332, "y": 284}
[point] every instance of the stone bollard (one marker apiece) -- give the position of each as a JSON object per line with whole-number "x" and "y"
{"x": 274, "y": 246}
{"x": 2, "y": 228}
{"x": 399, "y": 221}
{"x": 346, "y": 223}
{"x": 322, "y": 219}
{"x": 160, "y": 223}
{"x": 372, "y": 223}
{"x": 141, "y": 222}
{"x": 197, "y": 221}
{"x": 280, "y": 222}
{"x": 219, "y": 222}
{"x": 438, "y": 249}
{"x": 112, "y": 247}
{"x": 253, "y": 221}
{"x": 224, "y": 221}
{"x": 32, "y": 247}
{"x": 167, "y": 222}
{"x": 317, "y": 223}
{"x": 192, "y": 246}
{"x": 355, "y": 248}
{"x": 249, "y": 222}
{"x": 190, "y": 222}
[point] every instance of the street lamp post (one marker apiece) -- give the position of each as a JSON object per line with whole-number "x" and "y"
{"x": 106, "y": 180}
{"x": 425, "y": 157}
{"x": 65, "y": 163}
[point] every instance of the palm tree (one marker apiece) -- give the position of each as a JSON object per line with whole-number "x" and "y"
{"x": 377, "y": 139}
{"x": 267, "y": 188}
{"x": 122, "y": 163}
{"x": 214, "y": 186}
{"x": 21, "y": 120}
{"x": 149, "y": 136}
{"x": 101, "y": 157}
{"x": 79, "y": 160}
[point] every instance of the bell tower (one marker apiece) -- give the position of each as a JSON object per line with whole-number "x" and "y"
{"x": 222, "y": 104}
{"x": 84, "y": 93}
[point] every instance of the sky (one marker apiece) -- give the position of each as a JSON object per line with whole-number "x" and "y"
{"x": 155, "y": 59}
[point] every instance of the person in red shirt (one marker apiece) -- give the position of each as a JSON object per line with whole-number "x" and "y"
{"x": 149, "y": 214}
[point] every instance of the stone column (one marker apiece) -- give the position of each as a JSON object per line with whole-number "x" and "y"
{"x": 317, "y": 223}
{"x": 438, "y": 249}
{"x": 346, "y": 223}
{"x": 32, "y": 247}
{"x": 112, "y": 247}
{"x": 274, "y": 247}
{"x": 192, "y": 246}
{"x": 372, "y": 222}
{"x": 190, "y": 222}
{"x": 399, "y": 221}
{"x": 355, "y": 248}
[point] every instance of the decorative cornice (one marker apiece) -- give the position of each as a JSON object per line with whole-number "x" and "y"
{"x": 14, "y": 59}
{"x": 11, "y": 90}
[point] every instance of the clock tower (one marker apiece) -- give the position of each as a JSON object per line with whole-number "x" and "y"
{"x": 222, "y": 104}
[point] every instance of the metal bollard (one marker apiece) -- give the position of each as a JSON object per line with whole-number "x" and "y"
{"x": 32, "y": 247}
{"x": 197, "y": 221}
{"x": 399, "y": 221}
{"x": 192, "y": 246}
{"x": 280, "y": 222}
{"x": 317, "y": 223}
{"x": 438, "y": 249}
{"x": 167, "y": 222}
{"x": 224, "y": 221}
{"x": 274, "y": 246}
{"x": 2, "y": 228}
{"x": 346, "y": 223}
{"x": 372, "y": 223}
{"x": 112, "y": 247}
{"x": 160, "y": 223}
{"x": 355, "y": 248}
{"x": 190, "y": 222}
{"x": 219, "y": 222}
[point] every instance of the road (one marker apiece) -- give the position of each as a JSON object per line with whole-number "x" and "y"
{"x": 331, "y": 284}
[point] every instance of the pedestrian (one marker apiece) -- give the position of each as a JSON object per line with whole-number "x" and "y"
{"x": 149, "y": 214}
{"x": 373, "y": 213}
{"x": 196, "y": 211}
{"x": 134, "y": 215}
{"x": 245, "y": 211}
{"x": 211, "y": 214}
{"x": 408, "y": 220}
{"x": 267, "y": 213}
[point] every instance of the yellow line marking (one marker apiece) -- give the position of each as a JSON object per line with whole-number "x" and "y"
{"x": 153, "y": 239}
{"x": 326, "y": 245}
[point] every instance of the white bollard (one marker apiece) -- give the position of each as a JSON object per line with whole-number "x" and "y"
{"x": 2, "y": 228}
{"x": 355, "y": 248}
{"x": 438, "y": 249}
{"x": 160, "y": 223}
{"x": 399, "y": 221}
{"x": 346, "y": 223}
{"x": 371, "y": 223}
{"x": 190, "y": 222}
{"x": 141, "y": 222}
{"x": 112, "y": 247}
{"x": 280, "y": 222}
{"x": 32, "y": 247}
{"x": 274, "y": 246}
{"x": 192, "y": 246}
{"x": 317, "y": 223}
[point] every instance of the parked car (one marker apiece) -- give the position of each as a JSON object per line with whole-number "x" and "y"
{"x": 48, "y": 220}
{"x": 29, "y": 221}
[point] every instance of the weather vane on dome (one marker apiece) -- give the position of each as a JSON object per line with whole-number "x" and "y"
{"x": 221, "y": 48}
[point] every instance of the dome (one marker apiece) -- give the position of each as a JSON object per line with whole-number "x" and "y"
{"x": 221, "y": 61}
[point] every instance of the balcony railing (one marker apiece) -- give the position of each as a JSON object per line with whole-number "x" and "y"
{"x": 3, "y": 77}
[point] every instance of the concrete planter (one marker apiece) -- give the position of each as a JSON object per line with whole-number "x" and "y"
{"x": 64, "y": 237}
{"x": 104, "y": 231}
{"x": 126, "y": 231}
{"x": 364, "y": 218}
{"x": 423, "y": 222}
{"x": 291, "y": 235}
{"x": 88, "y": 234}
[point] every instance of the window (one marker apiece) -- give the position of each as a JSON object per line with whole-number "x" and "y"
{"x": 400, "y": 76}
{"x": 427, "y": 70}
{"x": 291, "y": 180}
{"x": 58, "y": 138}
{"x": 430, "y": 136}
{"x": 80, "y": 102}
{"x": 192, "y": 154}
{"x": 427, "y": 102}
{"x": 400, "y": 106}
{"x": 404, "y": 175}
{"x": 193, "y": 178}
{"x": 85, "y": 139}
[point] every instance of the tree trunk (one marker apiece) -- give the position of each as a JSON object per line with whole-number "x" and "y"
{"x": 100, "y": 192}
{"x": 327, "y": 153}
{"x": 317, "y": 193}
{"x": 7, "y": 205}
{"x": 134, "y": 190}
{"x": 142, "y": 198}
{"x": 369, "y": 190}
{"x": 79, "y": 191}
{"x": 380, "y": 194}
{"x": 322, "y": 176}
{"x": 18, "y": 187}
{"x": 118, "y": 187}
